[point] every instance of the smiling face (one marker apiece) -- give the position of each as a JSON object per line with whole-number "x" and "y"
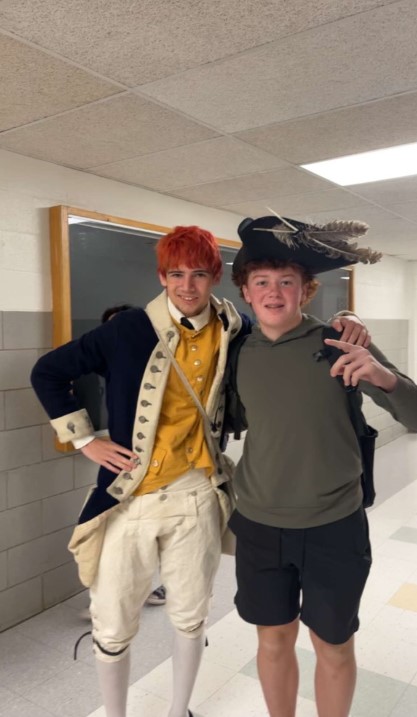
{"x": 188, "y": 289}
{"x": 276, "y": 296}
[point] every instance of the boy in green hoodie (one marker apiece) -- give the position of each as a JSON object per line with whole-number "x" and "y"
{"x": 303, "y": 548}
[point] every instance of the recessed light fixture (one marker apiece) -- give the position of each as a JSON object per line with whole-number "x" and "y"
{"x": 229, "y": 263}
{"x": 374, "y": 166}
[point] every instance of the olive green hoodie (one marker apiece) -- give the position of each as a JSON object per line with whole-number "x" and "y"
{"x": 301, "y": 463}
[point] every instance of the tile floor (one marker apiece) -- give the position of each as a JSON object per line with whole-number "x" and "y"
{"x": 39, "y": 678}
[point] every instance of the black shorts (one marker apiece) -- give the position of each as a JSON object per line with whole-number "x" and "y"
{"x": 328, "y": 566}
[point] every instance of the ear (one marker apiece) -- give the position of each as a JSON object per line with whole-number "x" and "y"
{"x": 303, "y": 295}
{"x": 246, "y": 294}
{"x": 162, "y": 278}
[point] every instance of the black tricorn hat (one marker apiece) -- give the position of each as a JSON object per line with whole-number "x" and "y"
{"x": 317, "y": 248}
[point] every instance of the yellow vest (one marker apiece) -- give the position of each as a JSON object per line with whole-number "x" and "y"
{"x": 179, "y": 443}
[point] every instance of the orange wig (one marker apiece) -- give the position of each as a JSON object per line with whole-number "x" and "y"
{"x": 190, "y": 246}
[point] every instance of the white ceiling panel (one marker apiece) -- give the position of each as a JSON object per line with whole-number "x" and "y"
{"x": 119, "y": 128}
{"x": 201, "y": 162}
{"x": 287, "y": 180}
{"x": 298, "y": 206}
{"x": 374, "y": 125}
{"x": 352, "y": 61}
{"x": 408, "y": 210}
{"x": 140, "y": 41}
{"x": 388, "y": 192}
{"x": 34, "y": 85}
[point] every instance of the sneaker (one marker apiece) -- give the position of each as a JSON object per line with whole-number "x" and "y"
{"x": 157, "y": 597}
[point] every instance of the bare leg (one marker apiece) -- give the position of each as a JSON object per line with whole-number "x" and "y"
{"x": 335, "y": 677}
{"x": 185, "y": 664}
{"x": 114, "y": 682}
{"x": 278, "y": 668}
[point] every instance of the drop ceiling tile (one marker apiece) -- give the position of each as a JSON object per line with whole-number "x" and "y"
{"x": 34, "y": 85}
{"x": 143, "y": 41}
{"x": 389, "y": 191}
{"x": 402, "y": 248}
{"x": 337, "y": 133}
{"x": 298, "y": 206}
{"x": 408, "y": 210}
{"x": 350, "y": 61}
{"x": 287, "y": 180}
{"x": 207, "y": 161}
{"x": 119, "y": 128}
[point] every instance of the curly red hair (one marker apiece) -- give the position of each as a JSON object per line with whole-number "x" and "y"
{"x": 192, "y": 246}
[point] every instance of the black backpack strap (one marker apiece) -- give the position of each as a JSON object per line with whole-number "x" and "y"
{"x": 235, "y": 418}
{"x": 366, "y": 434}
{"x": 354, "y": 396}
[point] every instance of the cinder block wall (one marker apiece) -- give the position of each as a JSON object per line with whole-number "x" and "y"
{"x": 41, "y": 490}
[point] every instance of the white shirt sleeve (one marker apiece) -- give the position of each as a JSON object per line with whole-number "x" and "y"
{"x": 82, "y": 442}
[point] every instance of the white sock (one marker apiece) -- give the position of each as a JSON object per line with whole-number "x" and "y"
{"x": 113, "y": 678}
{"x": 186, "y": 660}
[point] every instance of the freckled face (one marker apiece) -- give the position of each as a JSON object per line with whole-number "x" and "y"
{"x": 188, "y": 289}
{"x": 275, "y": 296}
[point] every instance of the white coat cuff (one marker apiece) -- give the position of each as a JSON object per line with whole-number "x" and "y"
{"x": 76, "y": 425}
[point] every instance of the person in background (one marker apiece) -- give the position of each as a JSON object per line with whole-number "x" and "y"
{"x": 303, "y": 550}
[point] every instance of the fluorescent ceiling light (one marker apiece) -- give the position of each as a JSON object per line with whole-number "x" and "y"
{"x": 365, "y": 167}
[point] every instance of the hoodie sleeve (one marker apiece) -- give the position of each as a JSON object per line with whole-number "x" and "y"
{"x": 401, "y": 403}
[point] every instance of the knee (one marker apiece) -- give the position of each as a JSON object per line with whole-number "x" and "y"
{"x": 334, "y": 656}
{"x": 278, "y": 640}
{"x": 114, "y": 655}
{"x": 190, "y": 630}
{"x": 110, "y": 645}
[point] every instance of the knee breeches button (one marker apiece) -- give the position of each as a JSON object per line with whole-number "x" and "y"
{"x": 163, "y": 496}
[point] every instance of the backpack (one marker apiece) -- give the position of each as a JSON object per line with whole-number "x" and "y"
{"x": 235, "y": 416}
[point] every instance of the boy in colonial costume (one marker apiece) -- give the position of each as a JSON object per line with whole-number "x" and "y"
{"x": 158, "y": 501}
{"x": 303, "y": 548}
